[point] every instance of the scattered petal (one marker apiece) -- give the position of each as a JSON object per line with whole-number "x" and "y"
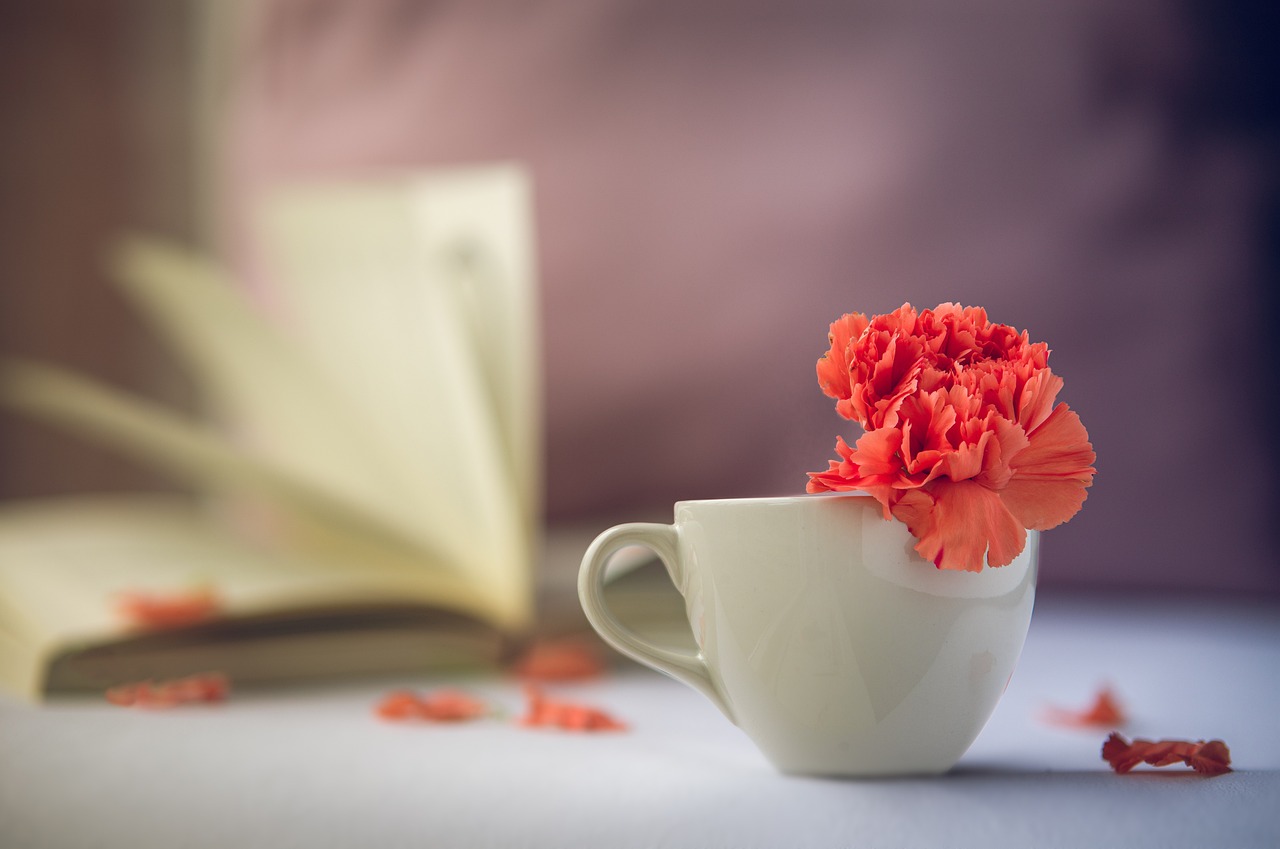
{"x": 1211, "y": 758}
{"x": 1105, "y": 712}
{"x": 568, "y": 716}
{"x": 442, "y": 706}
{"x": 169, "y": 610}
{"x": 205, "y": 687}
{"x": 568, "y": 659}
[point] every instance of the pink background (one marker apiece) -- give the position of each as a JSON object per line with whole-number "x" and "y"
{"x": 715, "y": 182}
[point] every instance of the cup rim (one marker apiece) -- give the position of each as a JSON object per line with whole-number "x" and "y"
{"x": 778, "y": 499}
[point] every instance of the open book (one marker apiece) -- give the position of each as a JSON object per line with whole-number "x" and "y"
{"x": 369, "y": 466}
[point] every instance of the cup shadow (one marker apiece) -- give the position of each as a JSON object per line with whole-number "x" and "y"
{"x": 982, "y": 772}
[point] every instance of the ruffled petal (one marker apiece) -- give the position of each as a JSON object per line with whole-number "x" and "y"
{"x": 891, "y": 377}
{"x": 1009, "y": 440}
{"x": 966, "y": 461}
{"x": 1060, "y": 447}
{"x": 873, "y": 466}
{"x": 833, "y": 368}
{"x": 957, "y": 524}
{"x": 1051, "y": 475}
{"x": 876, "y": 455}
{"x": 914, "y": 509}
{"x": 841, "y": 475}
{"x": 926, "y": 419}
{"x": 1043, "y": 505}
{"x": 1036, "y": 401}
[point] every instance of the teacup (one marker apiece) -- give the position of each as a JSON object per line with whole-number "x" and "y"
{"x": 822, "y": 633}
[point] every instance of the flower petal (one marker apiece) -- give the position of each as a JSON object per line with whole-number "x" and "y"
{"x": 1105, "y": 712}
{"x": 1036, "y": 401}
{"x": 1060, "y": 447}
{"x": 204, "y": 687}
{"x": 567, "y": 716}
{"x": 873, "y": 466}
{"x": 833, "y": 368}
{"x": 967, "y": 460}
{"x": 926, "y": 420}
{"x": 957, "y": 524}
{"x": 169, "y": 610}
{"x": 1211, "y": 758}
{"x": 1051, "y": 474}
{"x": 441, "y": 706}
{"x": 565, "y": 659}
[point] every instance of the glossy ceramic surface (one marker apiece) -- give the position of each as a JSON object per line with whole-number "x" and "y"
{"x": 823, "y": 635}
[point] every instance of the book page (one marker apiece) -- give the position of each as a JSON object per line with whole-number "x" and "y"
{"x": 414, "y": 295}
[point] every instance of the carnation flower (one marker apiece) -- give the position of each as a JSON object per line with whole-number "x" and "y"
{"x": 962, "y": 439}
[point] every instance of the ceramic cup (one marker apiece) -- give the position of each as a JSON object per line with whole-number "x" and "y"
{"x": 822, "y": 633}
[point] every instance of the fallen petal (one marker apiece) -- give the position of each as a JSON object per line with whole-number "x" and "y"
{"x": 568, "y": 716}
{"x": 442, "y": 706}
{"x": 205, "y": 687}
{"x": 168, "y": 610}
{"x": 1104, "y": 712}
{"x": 1211, "y": 758}
{"x": 569, "y": 659}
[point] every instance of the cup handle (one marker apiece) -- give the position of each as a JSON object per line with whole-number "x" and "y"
{"x": 688, "y": 667}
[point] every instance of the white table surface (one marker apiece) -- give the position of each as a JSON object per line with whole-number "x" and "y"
{"x": 313, "y": 768}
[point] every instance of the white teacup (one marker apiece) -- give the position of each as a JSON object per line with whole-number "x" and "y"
{"x": 822, "y": 633}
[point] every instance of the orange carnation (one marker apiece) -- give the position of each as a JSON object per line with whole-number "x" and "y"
{"x": 962, "y": 439}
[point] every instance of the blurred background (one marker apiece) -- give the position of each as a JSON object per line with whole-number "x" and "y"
{"x": 715, "y": 182}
